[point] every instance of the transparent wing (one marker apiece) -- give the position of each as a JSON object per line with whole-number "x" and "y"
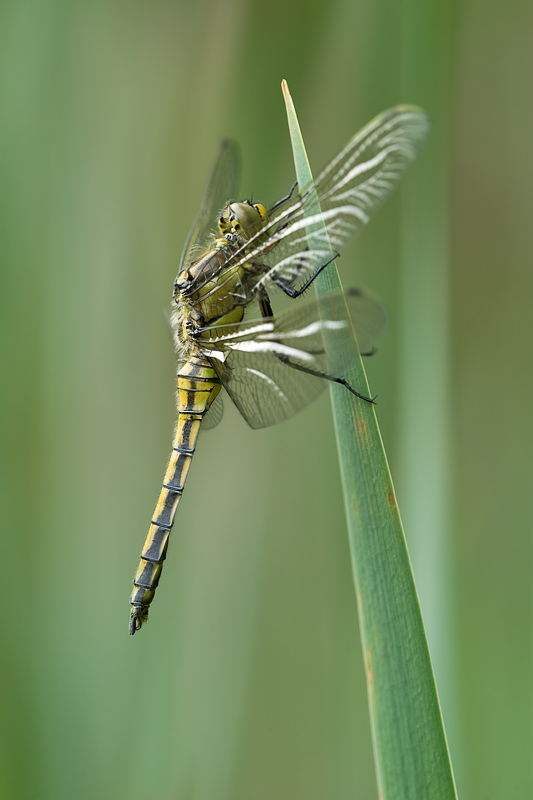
{"x": 214, "y": 414}
{"x": 273, "y": 367}
{"x": 350, "y": 190}
{"x": 221, "y": 187}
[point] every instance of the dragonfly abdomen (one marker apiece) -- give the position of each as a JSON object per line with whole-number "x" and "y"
{"x": 198, "y": 385}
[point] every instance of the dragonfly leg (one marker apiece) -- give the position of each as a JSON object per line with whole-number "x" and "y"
{"x": 332, "y": 378}
{"x": 290, "y": 290}
{"x": 283, "y": 199}
{"x": 264, "y": 304}
{"x": 344, "y": 382}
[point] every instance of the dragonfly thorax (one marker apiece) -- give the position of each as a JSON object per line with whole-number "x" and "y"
{"x": 208, "y": 292}
{"x": 216, "y": 285}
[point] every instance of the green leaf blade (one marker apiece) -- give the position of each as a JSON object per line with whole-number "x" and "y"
{"x": 411, "y": 753}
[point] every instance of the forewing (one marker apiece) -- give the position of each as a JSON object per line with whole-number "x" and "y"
{"x": 272, "y": 368}
{"x": 349, "y": 190}
{"x": 221, "y": 187}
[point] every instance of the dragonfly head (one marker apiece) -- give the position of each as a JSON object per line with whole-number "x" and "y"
{"x": 243, "y": 219}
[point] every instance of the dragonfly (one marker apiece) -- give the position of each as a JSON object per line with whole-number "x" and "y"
{"x": 237, "y": 254}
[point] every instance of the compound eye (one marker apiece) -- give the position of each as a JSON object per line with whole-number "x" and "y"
{"x": 247, "y": 219}
{"x": 261, "y": 210}
{"x": 224, "y": 223}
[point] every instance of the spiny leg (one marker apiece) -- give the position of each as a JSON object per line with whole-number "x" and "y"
{"x": 264, "y": 304}
{"x": 332, "y": 378}
{"x": 283, "y": 199}
{"x": 290, "y": 290}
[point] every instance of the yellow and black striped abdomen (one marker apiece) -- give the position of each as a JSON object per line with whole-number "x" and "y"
{"x": 198, "y": 385}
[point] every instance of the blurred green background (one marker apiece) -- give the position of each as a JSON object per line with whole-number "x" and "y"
{"x": 248, "y": 682}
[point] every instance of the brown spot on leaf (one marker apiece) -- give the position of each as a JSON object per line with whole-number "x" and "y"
{"x": 361, "y": 426}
